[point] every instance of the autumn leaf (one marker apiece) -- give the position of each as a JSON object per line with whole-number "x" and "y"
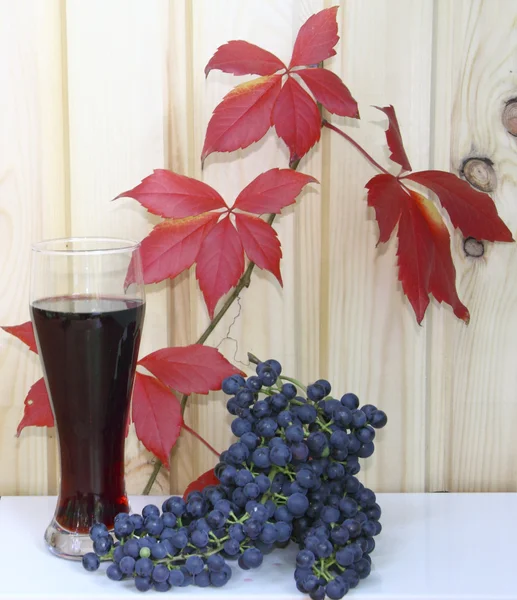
{"x": 415, "y": 257}
{"x": 194, "y": 369}
{"x": 424, "y": 253}
{"x": 394, "y": 138}
{"x": 174, "y": 196}
{"x": 330, "y": 91}
{"x": 173, "y": 246}
{"x": 316, "y": 39}
{"x": 243, "y": 117}
{"x": 220, "y": 263}
{"x": 210, "y": 239}
{"x": 272, "y": 191}
{"x": 423, "y": 226}
{"x": 202, "y": 482}
{"x": 247, "y": 112}
{"x": 156, "y": 415}
{"x": 387, "y": 197}
{"x": 242, "y": 58}
{"x": 297, "y": 119}
{"x": 442, "y": 283}
{"x": 260, "y": 242}
{"x": 37, "y": 411}
{"x": 25, "y": 333}
{"x": 425, "y": 261}
{"x": 472, "y": 212}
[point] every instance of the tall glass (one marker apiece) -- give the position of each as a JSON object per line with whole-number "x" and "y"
{"x": 87, "y": 306}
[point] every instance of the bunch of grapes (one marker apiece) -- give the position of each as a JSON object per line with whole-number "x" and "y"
{"x": 291, "y": 476}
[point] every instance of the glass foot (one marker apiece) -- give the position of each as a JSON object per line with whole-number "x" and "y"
{"x": 67, "y": 544}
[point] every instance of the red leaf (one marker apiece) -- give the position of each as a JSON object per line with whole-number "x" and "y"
{"x": 24, "y": 333}
{"x": 242, "y": 58}
{"x": 424, "y": 248}
{"x": 201, "y": 483}
{"x": 388, "y": 198}
{"x": 316, "y": 39}
{"x": 297, "y": 119}
{"x": 442, "y": 284}
{"x": 260, "y": 242}
{"x": 243, "y": 116}
{"x": 156, "y": 415}
{"x": 194, "y": 369}
{"x": 415, "y": 257}
{"x": 37, "y": 409}
{"x": 271, "y": 191}
{"x": 175, "y": 196}
{"x": 394, "y": 139}
{"x": 173, "y": 246}
{"x": 473, "y": 212}
{"x": 220, "y": 263}
{"x": 425, "y": 260}
{"x": 329, "y": 90}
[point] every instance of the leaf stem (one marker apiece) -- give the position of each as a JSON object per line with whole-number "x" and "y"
{"x": 356, "y": 145}
{"x": 202, "y": 440}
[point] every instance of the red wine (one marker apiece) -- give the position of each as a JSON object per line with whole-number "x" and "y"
{"x": 89, "y": 348}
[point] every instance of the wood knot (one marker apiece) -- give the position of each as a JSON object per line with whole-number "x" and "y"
{"x": 474, "y": 248}
{"x": 510, "y": 116}
{"x": 479, "y": 172}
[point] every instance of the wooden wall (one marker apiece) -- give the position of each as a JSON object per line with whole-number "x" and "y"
{"x": 94, "y": 95}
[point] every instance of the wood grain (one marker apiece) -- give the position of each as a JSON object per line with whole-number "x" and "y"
{"x": 32, "y": 207}
{"x": 472, "y": 399}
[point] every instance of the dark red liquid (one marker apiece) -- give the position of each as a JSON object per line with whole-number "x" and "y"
{"x": 89, "y": 348}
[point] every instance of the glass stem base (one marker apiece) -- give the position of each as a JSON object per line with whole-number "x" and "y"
{"x": 67, "y": 544}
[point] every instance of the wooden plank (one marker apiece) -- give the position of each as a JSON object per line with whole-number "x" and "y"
{"x": 181, "y": 159}
{"x": 32, "y": 207}
{"x": 473, "y": 380}
{"x": 375, "y": 347}
{"x": 116, "y": 86}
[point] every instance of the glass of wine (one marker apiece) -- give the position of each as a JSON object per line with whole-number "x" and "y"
{"x": 87, "y": 307}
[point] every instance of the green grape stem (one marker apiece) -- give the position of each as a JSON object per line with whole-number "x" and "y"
{"x": 255, "y": 360}
{"x": 294, "y": 381}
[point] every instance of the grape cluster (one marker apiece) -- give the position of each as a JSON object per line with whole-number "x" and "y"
{"x": 175, "y": 547}
{"x": 291, "y": 476}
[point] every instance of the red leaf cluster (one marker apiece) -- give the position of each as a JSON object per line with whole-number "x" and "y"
{"x": 424, "y": 252}
{"x": 198, "y": 228}
{"x": 248, "y": 111}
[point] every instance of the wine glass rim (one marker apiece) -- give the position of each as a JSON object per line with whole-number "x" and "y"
{"x": 100, "y": 245}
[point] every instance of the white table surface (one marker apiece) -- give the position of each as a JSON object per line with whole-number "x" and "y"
{"x": 432, "y": 547}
